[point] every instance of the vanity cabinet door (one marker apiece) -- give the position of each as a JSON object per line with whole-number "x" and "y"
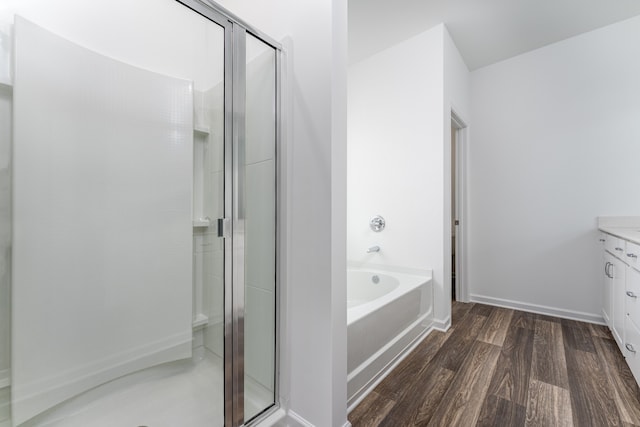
{"x": 618, "y": 270}
{"x": 631, "y": 348}
{"x": 607, "y": 289}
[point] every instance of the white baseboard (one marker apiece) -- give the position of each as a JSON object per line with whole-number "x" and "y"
{"x": 442, "y": 325}
{"x": 607, "y": 321}
{"x": 539, "y": 309}
{"x": 295, "y": 420}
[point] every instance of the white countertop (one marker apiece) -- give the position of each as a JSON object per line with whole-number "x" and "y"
{"x": 625, "y": 227}
{"x": 631, "y": 234}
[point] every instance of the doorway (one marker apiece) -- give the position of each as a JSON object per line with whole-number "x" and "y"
{"x": 458, "y": 220}
{"x": 453, "y": 211}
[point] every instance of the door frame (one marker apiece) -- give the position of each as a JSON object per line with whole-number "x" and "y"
{"x": 236, "y": 32}
{"x": 461, "y": 238}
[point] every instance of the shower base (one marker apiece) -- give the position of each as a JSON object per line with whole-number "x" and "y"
{"x": 183, "y": 393}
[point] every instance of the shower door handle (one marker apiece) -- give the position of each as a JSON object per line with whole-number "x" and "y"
{"x": 224, "y": 227}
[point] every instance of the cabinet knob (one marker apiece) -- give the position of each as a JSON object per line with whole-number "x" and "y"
{"x": 602, "y": 240}
{"x": 619, "y": 249}
{"x": 632, "y": 255}
{"x": 630, "y": 348}
{"x": 631, "y": 294}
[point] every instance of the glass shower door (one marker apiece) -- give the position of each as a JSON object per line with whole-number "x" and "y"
{"x": 209, "y": 188}
{"x": 239, "y": 252}
{"x": 260, "y": 227}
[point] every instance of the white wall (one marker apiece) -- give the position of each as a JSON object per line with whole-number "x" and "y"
{"x": 313, "y": 360}
{"x": 5, "y": 236}
{"x": 399, "y": 155}
{"x": 338, "y": 332}
{"x": 395, "y": 154}
{"x": 6, "y": 97}
{"x": 554, "y": 144}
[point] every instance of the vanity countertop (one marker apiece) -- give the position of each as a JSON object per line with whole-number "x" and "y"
{"x": 625, "y": 227}
{"x": 631, "y": 234}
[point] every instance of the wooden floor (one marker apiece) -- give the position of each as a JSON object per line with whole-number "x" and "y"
{"x": 500, "y": 367}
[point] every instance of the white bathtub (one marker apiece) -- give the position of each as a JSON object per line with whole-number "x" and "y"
{"x": 387, "y": 312}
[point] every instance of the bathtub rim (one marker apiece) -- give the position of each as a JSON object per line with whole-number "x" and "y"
{"x": 387, "y": 279}
{"x": 416, "y": 277}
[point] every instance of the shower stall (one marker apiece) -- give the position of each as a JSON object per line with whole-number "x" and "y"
{"x": 139, "y": 232}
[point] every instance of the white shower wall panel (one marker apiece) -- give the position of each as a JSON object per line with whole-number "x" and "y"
{"x": 102, "y": 220}
{"x": 6, "y": 95}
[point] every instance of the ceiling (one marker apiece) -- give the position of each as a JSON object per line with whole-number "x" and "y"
{"x": 485, "y": 31}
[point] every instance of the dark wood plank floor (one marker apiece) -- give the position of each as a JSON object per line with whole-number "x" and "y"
{"x": 501, "y": 367}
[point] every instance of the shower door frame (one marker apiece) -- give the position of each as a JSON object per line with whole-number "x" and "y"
{"x": 235, "y": 33}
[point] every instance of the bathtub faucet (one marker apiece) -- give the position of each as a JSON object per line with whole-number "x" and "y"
{"x": 373, "y": 249}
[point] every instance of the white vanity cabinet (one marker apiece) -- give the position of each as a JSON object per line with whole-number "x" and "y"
{"x": 621, "y": 295}
{"x": 614, "y": 286}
